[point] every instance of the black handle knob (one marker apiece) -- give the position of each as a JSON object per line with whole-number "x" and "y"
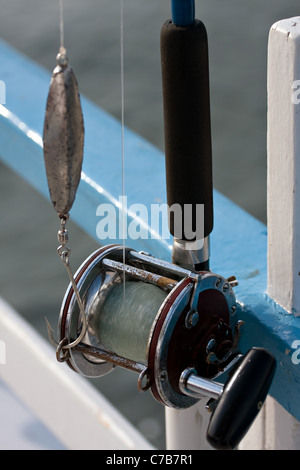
{"x": 187, "y": 126}
{"x": 242, "y": 399}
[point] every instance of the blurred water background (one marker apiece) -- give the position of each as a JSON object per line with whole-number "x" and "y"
{"x": 31, "y": 277}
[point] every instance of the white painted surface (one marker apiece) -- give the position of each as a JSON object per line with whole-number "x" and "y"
{"x": 284, "y": 164}
{"x": 255, "y": 437}
{"x": 74, "y": 411}
{"x": 273, "y": 429}
{"x": 282, "y": 429}
{"x": 19, "y": 428}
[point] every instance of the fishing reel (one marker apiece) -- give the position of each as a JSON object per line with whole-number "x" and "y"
{"x": 175, "y": 327}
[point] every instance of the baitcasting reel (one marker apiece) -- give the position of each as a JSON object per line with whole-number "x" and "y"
{"x": 175, "y": 327}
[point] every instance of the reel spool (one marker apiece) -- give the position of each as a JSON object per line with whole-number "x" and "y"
{"x": 175, "y": 327}
{"x": 189, "y": 321}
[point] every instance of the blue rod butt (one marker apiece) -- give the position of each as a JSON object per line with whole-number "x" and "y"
{"x": 183, "y": 12}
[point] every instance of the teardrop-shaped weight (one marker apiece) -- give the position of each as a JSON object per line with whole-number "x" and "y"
{"x": 63, "y": 139}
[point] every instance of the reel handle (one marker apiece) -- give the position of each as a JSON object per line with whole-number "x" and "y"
{"x": 241, "y": 400}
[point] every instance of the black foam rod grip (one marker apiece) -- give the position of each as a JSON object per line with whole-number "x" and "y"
{"x": 187, "y": 127}
{"x": 242, "y": 399}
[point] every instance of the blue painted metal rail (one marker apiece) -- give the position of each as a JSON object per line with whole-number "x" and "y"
{"x": 238, "y": 242}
